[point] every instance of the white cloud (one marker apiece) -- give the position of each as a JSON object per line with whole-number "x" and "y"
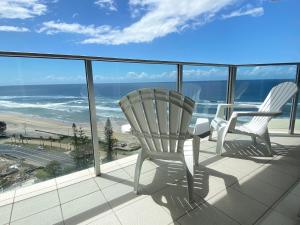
{"x": 13, "y": 29}
{"x": 52, "y": 27}
{"x": 267, "y": 72}
{"x": 246, "y": 11}
{"x": 161, "y": 17}
{"x": 107, "y": 4}
{"x": 21, "y": 9}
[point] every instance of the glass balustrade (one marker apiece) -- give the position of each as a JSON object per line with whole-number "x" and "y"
{"x": 112, "y": 81}
{"x": 207, "y": 86}
{"x": 44, "y": 120}
{"x": 253, "y": 85}
{"x": 45, "y": 124}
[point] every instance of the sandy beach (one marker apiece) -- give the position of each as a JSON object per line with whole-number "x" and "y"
{"x": 34, "y": 126}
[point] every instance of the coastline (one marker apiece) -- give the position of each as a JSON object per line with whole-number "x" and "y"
{"x": 36, "y": 126}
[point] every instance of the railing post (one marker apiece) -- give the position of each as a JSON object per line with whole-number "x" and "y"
{"x": 230, "y": 88}
{"x": 179, "y": 77}
{"x": 93, "y": 119}
{"x": 294, "y": 103}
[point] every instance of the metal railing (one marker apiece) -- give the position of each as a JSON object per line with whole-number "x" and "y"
{"x": 231, "y": 81}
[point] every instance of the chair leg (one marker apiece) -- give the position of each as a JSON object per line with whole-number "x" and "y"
{"x": 196, "y": 149}
{"x": 141, "y": 157}
{"x": 220, "y": 139}
{"x": 268, "y": 142}
{"x": 211, "y": 129}
{"x": 253, "y": 140}
{"x": 189, "y": 167}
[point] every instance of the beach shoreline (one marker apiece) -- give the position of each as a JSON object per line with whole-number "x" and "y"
{"x": 36, "y": 126}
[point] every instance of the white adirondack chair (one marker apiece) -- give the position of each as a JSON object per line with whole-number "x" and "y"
{"x": 160, "y": 120}
{"x": 257, "y": 127}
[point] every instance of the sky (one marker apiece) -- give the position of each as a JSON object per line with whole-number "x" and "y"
{"x": 223, "y": 31}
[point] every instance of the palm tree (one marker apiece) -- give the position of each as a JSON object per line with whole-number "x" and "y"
{"x": 51, "y": 140}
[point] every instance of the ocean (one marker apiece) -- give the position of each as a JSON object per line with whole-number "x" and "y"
{"x": 68, "y": 102}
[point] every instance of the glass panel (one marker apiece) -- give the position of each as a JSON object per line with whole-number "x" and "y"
{"x": 112, "y": 81}
{"x": 297, "y": 123}
{"x": 207, "y": 86}
{"x": 254, "y": 83}
{"x": 44, "y": 128}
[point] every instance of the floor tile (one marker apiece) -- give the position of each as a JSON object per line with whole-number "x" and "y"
{"x": 275, "y": 218}
{"x": 48, "y": 217}
{"x": 107, "y": 219}
{"x": 257, "y": 189}
{"x": 238, "y": 206}
{"x": 296, "y": 190}
{"x": 77, "y": 190}
{"x": 208, "y": 185}
{"x": 289, "y": 207}
{"x": 34, "y": 205}
{"x": 145, "y": 211}
{"x": 84, "y": 208}
{"x": 155, "y": 180}
{"x": 108, "y": 179}
{"x": 120, "y": 195}
{"x": 174, "y": 199}
{"x": 273, "y": 177}
{"x": 225, "y": 170}
{"x": 206, "y": 214}
{"x": 5, "y": 213}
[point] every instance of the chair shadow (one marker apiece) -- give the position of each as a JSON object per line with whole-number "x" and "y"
{"x": 173, "y": 197}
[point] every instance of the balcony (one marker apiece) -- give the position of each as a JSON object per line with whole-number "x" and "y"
{"x": 61, "y": 171}
{"x": 234, "y": 189}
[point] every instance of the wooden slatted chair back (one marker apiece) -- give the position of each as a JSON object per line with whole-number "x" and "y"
{"x": 276, "y": 99}
{"x": 159, "y": 118}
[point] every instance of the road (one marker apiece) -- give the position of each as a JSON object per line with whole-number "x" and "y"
{"x": 36, "y": 157}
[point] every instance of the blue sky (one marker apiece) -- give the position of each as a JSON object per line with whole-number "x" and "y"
{"x": 223, "y": 31}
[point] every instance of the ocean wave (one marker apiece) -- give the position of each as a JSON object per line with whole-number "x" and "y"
{"x": 106, "y": 108}
{"x": 61, "y": 106}
{"x": 69, "y": 106}
{"x": 41, "y": 97}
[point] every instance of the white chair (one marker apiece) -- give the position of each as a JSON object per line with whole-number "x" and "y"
{"x": 160, "y": 120}
{"x": 257, "y": 127}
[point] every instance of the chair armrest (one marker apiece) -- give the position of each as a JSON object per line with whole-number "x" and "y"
{"x": 247, "y": 106}
{"x": 234, "y": 116}
{"x": 265, "y": 114}
{"x": 221, "y": 108}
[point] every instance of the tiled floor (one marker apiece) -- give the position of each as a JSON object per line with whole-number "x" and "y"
{"x": 241, "y": 187}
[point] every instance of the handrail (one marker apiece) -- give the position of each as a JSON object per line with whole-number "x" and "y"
{"x": 128, "y": 60}
{"x": 268, "y": 64}
{"x": 106, "y": 59}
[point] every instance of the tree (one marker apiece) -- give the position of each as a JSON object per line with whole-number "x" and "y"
{"x": 53, "y": 168}
{"x": 82, "y": 153}
{"x": 109, "y": 138}
{"x": 51, "y": 140}
{"x": 22, "y": 138}
{"x": 3, "y": 127}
